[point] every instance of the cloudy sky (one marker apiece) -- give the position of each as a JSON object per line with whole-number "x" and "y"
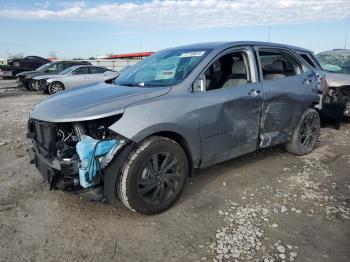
{"x": 89, "y": 28}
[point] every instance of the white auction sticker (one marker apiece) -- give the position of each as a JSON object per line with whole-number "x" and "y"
{"x": 192, "y": 54}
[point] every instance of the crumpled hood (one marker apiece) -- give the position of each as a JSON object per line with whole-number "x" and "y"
{"x": 28, "y": 73}
{"x": 337, "y": 80}
{"x": 92, "y": 102}
{"x": 47, "y": 76}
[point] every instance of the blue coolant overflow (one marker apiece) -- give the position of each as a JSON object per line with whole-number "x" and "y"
{"x": 89, "y": 150}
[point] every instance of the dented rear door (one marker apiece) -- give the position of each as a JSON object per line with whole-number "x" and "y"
{"x": 286, "y": 95}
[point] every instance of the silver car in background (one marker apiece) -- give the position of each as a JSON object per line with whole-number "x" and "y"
{"x": 74, "y": 76}
{"x": 336, "y": 64}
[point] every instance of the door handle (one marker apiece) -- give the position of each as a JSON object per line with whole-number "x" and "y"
{"x": 254, "y": 92}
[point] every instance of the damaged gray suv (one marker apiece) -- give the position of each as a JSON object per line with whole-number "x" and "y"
{"x": 179, "y": 109}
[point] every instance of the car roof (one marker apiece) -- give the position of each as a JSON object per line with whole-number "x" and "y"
{"x": 36, "y": 57}
{"x": 74, "y": 62}
{"x": 88, "y": 65}
{"x": 214, "y": 45}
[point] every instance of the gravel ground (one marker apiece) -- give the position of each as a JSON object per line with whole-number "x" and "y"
{"x": 265, "y": 206}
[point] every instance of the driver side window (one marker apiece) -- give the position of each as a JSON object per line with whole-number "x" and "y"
{"x": 228, "y": 71}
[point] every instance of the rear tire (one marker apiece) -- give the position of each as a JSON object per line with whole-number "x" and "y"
{"x": 306, "y": 133}
{"x": 153, "y": 176}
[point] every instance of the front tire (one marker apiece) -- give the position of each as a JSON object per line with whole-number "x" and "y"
{"x": 31, "y": 85}
{"x": 26, "y": 85}
{"x": 153, "y": 177}
{"x": 306, "y": 133}
{"x": 55, "y": 87}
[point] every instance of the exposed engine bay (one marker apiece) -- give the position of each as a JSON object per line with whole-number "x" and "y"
{"x": 73, "y": 155}
{"x": 341, "y": 95}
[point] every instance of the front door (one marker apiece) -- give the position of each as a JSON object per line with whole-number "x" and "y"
{"x": 229, "y": 121}
{"x": 79, "y": 77}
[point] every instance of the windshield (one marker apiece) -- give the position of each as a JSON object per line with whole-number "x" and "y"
{"x": 66, "y": 71}
{"x": 337, "y": 61}
{"x": 164, "y": 68}
{"x": 45, "y": 66}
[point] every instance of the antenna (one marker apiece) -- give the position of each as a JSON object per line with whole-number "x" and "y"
{"x": 269, "y": 33}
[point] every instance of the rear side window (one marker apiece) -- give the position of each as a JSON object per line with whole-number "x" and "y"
{"x": 56, "y": 67}
{"x": 60, "y": 67}
{"x": 277, "y": 65}
{"x": 97, "y": 70}
{"x": 81, "y": 71}
{"x": 65, "y": 66}
{"x": 310, "y": 60}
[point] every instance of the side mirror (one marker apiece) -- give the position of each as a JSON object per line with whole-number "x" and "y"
{"x": 199, "y": 85}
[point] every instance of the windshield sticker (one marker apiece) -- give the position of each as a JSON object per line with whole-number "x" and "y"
{"x": 192, "y": 54}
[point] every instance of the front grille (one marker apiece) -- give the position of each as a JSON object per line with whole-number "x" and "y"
{"x": 20, "y": 80}
{"x": 66, "y": 169}
{"x": 342, "y": 95}
{"x": 45, "y": 136}
{"x": 40, "y": 84}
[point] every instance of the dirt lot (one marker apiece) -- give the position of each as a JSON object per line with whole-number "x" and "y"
{"x": 266, "y": 206}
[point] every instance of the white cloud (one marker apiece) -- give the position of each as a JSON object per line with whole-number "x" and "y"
{"x": 43, "y": 4}
{"x": 192, "y": 14}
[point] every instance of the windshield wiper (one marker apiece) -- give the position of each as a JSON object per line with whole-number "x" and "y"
{"x": 128, "y": 84}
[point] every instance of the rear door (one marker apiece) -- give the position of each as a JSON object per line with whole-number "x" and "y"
{"x": 288, "y": 92}
{"x": 232, "y": 100}
{"x": 97, "y": 74}
{"x": 311, "y": 60}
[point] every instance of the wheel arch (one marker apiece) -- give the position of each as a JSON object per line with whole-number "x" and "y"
{"x": 181, "y": 141}
{"x": 112, "y": 171}
{"x": 187, "y": 138}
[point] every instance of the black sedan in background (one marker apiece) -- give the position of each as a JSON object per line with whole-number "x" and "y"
{"x": 28, "y": 63}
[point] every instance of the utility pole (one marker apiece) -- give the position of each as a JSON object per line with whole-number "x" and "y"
{"x": 345, "y": 41}
{"x": 268, "y": 35}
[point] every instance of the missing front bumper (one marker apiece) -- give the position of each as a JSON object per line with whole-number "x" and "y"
{"x": 347, "y": 110}
{"x": 58, "y": 174}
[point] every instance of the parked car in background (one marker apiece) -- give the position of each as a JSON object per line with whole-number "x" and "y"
{"x": 181, "y": 108}
{"x": 336, "y": 64}
{"x": 18, "y": 65}
{"x": 73, "y": 77}
{"x": 28, "y": 63}
{"x": 26, "y": 78}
